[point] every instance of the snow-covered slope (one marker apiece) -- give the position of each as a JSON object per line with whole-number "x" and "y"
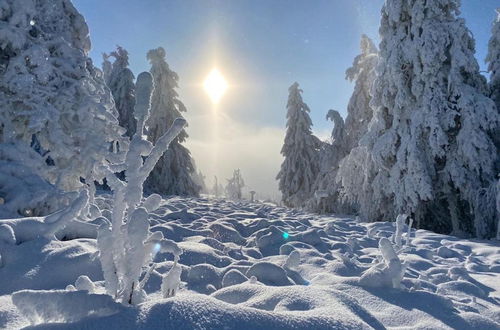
{"x": 258, "y": 266}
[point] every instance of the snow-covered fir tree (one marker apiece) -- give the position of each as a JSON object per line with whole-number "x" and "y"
{"x": 50, "y": 92}
{"x": 346, "y": 136}
{"x": 428, "y": 149}
{"x": 121, "y": 82}
{"x": 493, "y": 60}
{"x": 107, "y": 67}
{"x": 325, "y": 188}
{"x": 301, "y": 151}
{"x": 235, "y": 185}
{"x": 173, "y": 174}
{"x": 359, "y": 112}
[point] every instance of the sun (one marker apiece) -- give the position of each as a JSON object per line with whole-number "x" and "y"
{"x": 215, "y": 85}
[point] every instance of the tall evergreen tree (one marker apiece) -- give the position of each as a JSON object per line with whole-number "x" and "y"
{"x": 428, "y": 150}
{"x": 51, "y": 95}
{"x": 300, "y": 149}
{"x": 107, "y": 67}
{"x": 359, "y": 112}
{"x": 325, "y": 188}
{"x": 173, "y": 174}
{"x": 121, "y": 82}
{"x": 493, "y": 60}
{"x": 346, "y": 136}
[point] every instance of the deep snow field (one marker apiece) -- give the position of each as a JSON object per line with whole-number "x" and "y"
{"x": 258, "y": 266}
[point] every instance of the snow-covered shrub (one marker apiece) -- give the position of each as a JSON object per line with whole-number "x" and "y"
{"x": 387, "y": 273}
{"x": 408, "y": 233}
{"x": 300, "y": 149}
{"x": 172, "y": 280}
{"x": 126, "y": 245}
{"x": 234, "y": 186}
{"x": 398, "y": 234}
{"x": 394, "y": 269}
{"x": 51, "y": 95}
{"x": 428, "y": 150}
{"x": 173, "y": 174}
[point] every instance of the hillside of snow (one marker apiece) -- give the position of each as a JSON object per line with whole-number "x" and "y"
{"x": 258, "y": 266}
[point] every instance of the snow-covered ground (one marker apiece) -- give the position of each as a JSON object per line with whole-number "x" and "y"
{"x": 258, "y": 266}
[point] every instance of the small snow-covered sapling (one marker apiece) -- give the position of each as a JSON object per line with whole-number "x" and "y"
{"x": 398, "y": 234}
{"x": 394, "y": 269}
{"x": 128, "y": 247}
{"x": 408, "y": 233}
{"x": 172, "y": 280}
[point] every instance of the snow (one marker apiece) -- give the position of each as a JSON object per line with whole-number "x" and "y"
{"x": 326, "y": 273}
{"x": 419, "y": 139}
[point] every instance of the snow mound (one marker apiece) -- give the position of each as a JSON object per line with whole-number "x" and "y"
{"x": 253, "y": 266}
{"x": 62, "y": 306}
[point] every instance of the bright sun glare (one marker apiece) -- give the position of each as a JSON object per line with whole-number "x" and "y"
{"x": 215, "y": 86}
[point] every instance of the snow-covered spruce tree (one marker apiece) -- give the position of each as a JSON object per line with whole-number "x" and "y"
{"x": 107, "y": 67}
{"x": 126, "y": 246}
{"x": 325, "y": 188}
{"x": 428, "y": 150}
{"x": 359, "y": 112}
{"x": 173, "y": 173}
{"x": 121, "y": 82}
{"x": 493, "y": 60}
{"x": 234, "y": 186}
{"x": 50, "y": 92}
{"x": 301, "y": 151}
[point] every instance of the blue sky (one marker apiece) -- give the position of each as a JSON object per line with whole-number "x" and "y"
{"x": 262, "y": 47}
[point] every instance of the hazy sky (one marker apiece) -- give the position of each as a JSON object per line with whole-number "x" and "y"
{"x": 261, "y": 47}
